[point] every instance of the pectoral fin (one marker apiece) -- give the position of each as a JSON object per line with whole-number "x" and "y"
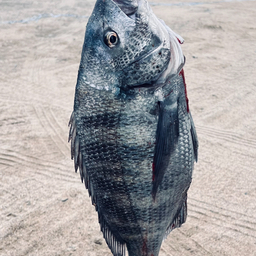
{"x": 166, "y": 139}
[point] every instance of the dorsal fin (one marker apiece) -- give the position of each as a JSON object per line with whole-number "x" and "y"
{"x": 114, "y": 242}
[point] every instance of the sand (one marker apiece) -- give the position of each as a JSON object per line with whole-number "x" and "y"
{"x": 44, "y": 207}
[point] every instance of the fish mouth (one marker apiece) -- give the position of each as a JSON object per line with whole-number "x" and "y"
{"x": 145, "y": 70}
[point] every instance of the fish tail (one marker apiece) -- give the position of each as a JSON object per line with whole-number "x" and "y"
{"x": 149, "y": 247}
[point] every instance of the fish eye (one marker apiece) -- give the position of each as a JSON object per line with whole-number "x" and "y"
{"x": 111, "y": 39}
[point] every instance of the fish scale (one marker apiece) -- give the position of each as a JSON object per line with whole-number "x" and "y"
{"x": 132, "y": 134}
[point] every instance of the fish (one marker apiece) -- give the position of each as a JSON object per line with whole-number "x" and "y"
{"x": 132, "y": 135}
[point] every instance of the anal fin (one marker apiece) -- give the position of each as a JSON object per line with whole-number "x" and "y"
{"x": 179, "y": 218}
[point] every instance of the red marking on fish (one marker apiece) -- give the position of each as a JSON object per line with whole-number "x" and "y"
{"x": 144, "y": 247}
{"x": 179, "y": 40}
{"x": 183, "y": 77}
{"x": 168, "y": 94}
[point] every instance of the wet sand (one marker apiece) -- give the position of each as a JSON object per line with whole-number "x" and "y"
{"x": 44, "y": 208}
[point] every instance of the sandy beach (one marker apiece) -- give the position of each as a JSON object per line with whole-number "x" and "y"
{"x": 44, "y": 208}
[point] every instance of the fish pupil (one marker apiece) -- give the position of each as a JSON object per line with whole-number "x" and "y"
{"x": 112, "y": 39}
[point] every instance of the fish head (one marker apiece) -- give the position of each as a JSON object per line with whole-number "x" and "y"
{"x": 125, "y": 46}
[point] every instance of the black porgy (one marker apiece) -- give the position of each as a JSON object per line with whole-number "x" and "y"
{"x": 131, "y": 130}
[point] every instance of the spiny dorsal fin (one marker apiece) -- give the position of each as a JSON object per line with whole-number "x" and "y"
{"x": 115, "y": 243}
